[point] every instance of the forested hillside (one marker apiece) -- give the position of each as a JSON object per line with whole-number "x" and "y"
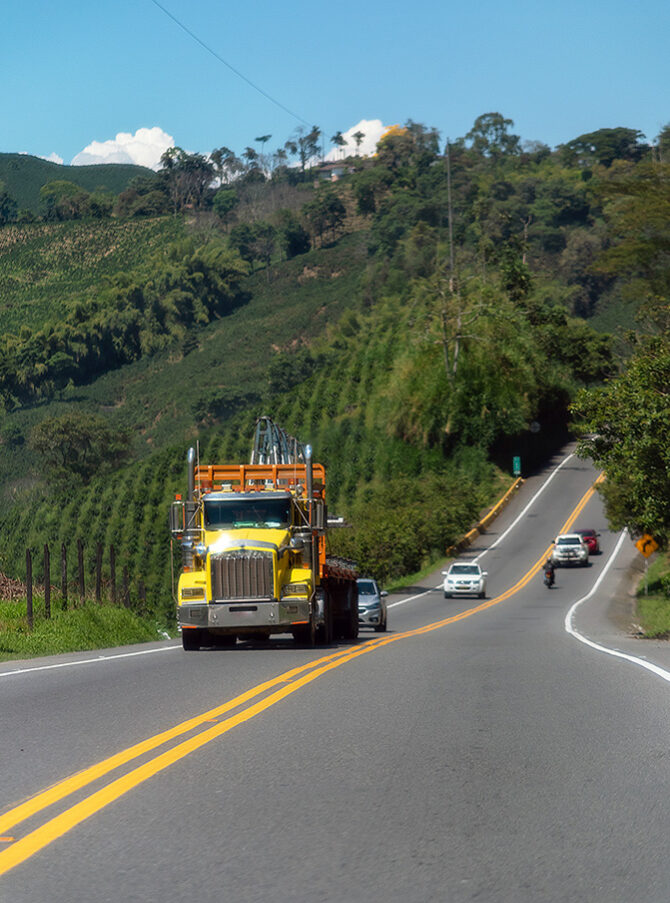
{"x": 24, "y": 175}
{"x": 419, "y": 321}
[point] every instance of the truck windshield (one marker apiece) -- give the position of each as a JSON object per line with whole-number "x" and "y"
{"x": 232, "y": 513}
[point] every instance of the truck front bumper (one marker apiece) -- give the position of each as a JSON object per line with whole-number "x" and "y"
{"x": 240, "y": 617}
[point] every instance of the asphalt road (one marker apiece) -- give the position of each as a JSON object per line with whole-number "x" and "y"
{"x": 477, "y": 751}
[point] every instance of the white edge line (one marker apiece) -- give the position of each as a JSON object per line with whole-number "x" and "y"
{"x": 87, "y": 661}
{"x": 572, "y": 630}
{"x": 500, "y": 538}
{"x": 102, "y": 658}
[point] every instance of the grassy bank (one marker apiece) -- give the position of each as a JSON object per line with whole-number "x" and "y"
{"x": 90, "y": 626}
{"x": 653, "y": 599}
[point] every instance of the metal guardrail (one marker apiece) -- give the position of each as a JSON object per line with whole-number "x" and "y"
{"x": 488, "y": 518}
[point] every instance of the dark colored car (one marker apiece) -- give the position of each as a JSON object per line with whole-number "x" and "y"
{"x": 590, "y": 537}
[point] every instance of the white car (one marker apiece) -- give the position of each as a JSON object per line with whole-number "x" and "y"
{"x": 464, "y": 579}
{"x": 570, "y": 548}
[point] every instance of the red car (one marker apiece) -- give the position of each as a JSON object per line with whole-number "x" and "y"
{"x": 590, "y": 537}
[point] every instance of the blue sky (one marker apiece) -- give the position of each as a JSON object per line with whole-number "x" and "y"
{"x": 74, "y": 73}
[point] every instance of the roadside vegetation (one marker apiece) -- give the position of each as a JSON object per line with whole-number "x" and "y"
{"x": 653, "y": 600}
{"x": 91, "y": 626}
{"x": 431, "y": 314}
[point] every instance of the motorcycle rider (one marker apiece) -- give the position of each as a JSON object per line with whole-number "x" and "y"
{"x": 549, "y": 572}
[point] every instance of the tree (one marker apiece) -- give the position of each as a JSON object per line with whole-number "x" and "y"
{"x": 339, "y": 141}
{"x": 76, "y": 447}
{"x": 263, "y": 244}
{"x": 250, "y": 154}
{"x": 604, "y": 147}
{"x": 305, "y": 144}
{"x": 358, "y": 138}
{"x": 263, "y": 160}
{"x": 395, "y": 149}
{"x": 490, "y": 137}
{"x": 637, "y": 210}
{"x": 101, "y": 204}
{"x": 325, "y": 211}
{"x": 226, "y": 164}
{"x": 279, "y": 159}
{"x": 8, "y": 207}
{"x": 369, "y": 186}
{"x": 663, "y": 144}
{"x": 294, "y": 238}
{"x": 188, "y": 177}
{"x": 225, "y": 201}
{"x": 241, "y": 238}
{"x": 628, "y": 424}
{"x": 62, "y": 200}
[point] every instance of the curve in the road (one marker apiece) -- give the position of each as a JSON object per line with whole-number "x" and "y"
{"x": 599, "y": 647}
{"x": 293, "y": 680}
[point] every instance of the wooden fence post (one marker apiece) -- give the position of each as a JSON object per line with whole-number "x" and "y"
{"x": 80, "y": 561}
{"x": 126, "y": 587}
{"x": 112, "y": 572}
{"x": 98, "y": 571}
{"x": 29, "y": 588}
{"x": 63, "y": 575}
{"x": 47, "y": 582}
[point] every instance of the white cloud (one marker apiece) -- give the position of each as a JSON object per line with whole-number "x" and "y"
{"x": 372, "y": 129}
{"x": 144, "y": 148}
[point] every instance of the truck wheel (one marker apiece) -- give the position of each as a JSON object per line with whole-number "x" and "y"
{"x": 225, "y": 640}
{"x": 190, "y": 639}
{"x": 305, "y": 636}
{"x": 324, "y": 633}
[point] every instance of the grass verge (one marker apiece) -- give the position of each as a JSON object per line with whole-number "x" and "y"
{"x": 91, "y": 626}
{"x": 653, "y": 606}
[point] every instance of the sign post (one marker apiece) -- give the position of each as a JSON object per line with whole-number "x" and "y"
{"x": 646, "y": 545}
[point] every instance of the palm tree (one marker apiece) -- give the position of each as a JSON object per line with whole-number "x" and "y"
{"x": 339, "y": 141}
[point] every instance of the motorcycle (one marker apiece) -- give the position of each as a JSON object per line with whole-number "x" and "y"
{"x": 549, "y": 577}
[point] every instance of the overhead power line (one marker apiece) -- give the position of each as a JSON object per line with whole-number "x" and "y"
{"x": 227, "y": 64}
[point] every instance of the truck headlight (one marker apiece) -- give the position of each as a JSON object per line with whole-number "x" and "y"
{"x": 295, "y": 589}
{"x": 193, "y": 592}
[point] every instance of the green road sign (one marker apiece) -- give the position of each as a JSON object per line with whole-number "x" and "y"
{"x": 516, "y": 466}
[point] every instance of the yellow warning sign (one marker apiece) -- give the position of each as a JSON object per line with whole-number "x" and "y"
{"x": 647, "y": 545}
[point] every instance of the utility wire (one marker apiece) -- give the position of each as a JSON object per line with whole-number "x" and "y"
{"x": 227, "y": 64}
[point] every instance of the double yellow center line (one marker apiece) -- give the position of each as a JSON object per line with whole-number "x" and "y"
{"x": 233, "y": 713}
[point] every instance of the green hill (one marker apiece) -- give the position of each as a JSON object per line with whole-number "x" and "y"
{"x": 414, "y": 383}
{"x": 24, "y": 175}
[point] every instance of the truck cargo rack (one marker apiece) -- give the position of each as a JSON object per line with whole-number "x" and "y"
{"x": 259, "y": 477}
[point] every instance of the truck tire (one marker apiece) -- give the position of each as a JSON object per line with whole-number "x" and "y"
{"x": 191, "y": 640}
{"x": 324, "y": 633}
{"x": 225, "y": 640}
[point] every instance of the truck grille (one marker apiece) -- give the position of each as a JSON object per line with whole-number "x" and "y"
{"x": 242, "y": 575}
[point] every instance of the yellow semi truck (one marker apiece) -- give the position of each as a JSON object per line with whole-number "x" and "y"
{"x": 254, "y": 557}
